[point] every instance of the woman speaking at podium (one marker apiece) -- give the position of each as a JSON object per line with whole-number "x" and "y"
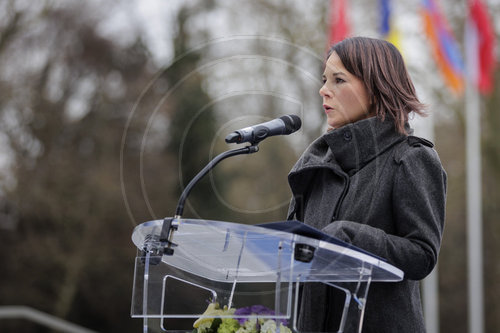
{"x": 370, "y": 183}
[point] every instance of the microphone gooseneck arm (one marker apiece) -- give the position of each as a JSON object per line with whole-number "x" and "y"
{"x": 182, "y": 199}
{"x": 171, "y": 224}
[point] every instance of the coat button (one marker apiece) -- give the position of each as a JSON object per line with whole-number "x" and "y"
{"x": 347, "y": 135}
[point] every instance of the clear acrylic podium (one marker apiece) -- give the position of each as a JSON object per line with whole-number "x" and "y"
{"x": 239, "y": 265}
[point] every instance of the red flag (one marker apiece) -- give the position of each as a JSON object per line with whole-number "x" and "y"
{"x": 481, "y": 45}
{"x": 339, "y": 23}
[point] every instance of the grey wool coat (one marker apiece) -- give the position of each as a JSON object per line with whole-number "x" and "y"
{"x": 384, "y": 192}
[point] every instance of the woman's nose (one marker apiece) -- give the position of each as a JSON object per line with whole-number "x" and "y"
{"x": 323, "y": 91}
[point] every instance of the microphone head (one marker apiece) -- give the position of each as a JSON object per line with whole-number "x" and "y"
{"x": 292, "y": 123}
{"x": 233, "y": 137}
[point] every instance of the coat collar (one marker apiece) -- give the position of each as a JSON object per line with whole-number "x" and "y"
{"x": 350, "y": 147}
{"x": 354, "y": 145}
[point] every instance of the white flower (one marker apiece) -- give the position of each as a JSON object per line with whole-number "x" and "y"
{"x": 284, "y": 329}
{"x": 269, "y": 326}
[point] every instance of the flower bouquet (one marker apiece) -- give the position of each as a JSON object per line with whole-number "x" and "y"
{"x": 241, "y": 320}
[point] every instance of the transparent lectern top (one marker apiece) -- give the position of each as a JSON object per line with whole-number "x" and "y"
{"x": 226, "y": 252}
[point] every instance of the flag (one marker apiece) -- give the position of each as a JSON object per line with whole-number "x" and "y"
{"x": 480, "y": 46}
{"x": 387, "y": 28}
{"x": 339, "y": 27}
{"x": 444, "y": 46}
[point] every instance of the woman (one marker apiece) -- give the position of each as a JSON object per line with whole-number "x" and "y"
{"x": 368, "y": 182}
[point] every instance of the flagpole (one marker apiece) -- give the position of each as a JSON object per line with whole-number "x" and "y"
{"x": 430, "y": 285}
{"x": 474, "y": 198}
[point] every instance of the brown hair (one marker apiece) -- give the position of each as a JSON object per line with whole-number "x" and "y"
{"x": 381, "y": 67}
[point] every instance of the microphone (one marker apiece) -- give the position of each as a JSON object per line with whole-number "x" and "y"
{"x": 254, "y": 134}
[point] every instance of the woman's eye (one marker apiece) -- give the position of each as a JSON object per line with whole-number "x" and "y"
{"x": 339, "y": 80}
